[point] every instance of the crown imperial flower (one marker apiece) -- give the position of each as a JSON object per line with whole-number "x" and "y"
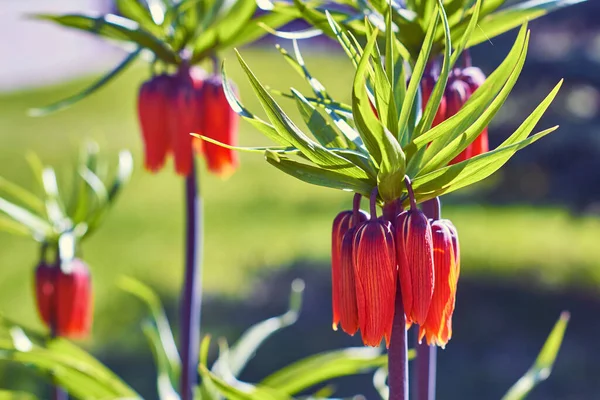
{"x": 64, "y": 297}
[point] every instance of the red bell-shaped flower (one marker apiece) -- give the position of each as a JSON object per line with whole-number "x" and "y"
{"x": 64, "y": 298}
{"x": 427, "y": 86}
{"x": 375, "y": 277}
{"x": 414, "y": 245}
{"x": 341, "y": 287}
{"x": 73, "y": 291}
{"x": 437, "y": 328}
{"x": 218, "y": 122}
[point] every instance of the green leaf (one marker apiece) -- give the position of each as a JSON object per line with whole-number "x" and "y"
{"x": 267, "y": 129}
{"x": 352, "y": 50}
{"x": 13, "y": 227}
{"x": 438, "y": 91}
{"x": 382, "y": 145}
{"x": 36, "y": 225}
{"x": 22, "y": 195}
{"x": 164, "y": 380}
{"x": 124, "y": 171}
{"x": 440, "y": 154}
{"x": 457, "y": 176}
{"x": 438, "y": 136}
{"x": 134, "y": 10}
{"x": 254, "y": 29}
{"x": 115, "y": 27}
{"x": 54, "y": 207}
{"x": 415, "y": 82}
{"x": 542, "y": 367}
{"x": 315, "y": 369}
{"x": 165, "y": 348}
{"x": 244, "y": 349}
{"x": 511, "y": 17}
{"x": 246, "y": 392}
{"x": 286, "y": 128}
{"x": 379, "y": 382}
{"x": 317, "y": 124}
{"x": 236, "y": 18}
{"x": 66, "y": 103}
{"x": 319, "y": 176}
{"x": 66, "y": 365}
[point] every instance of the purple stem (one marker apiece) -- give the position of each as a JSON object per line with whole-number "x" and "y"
{"x": 192, "y": 290}
{"x": 411, "y": 193}
{"x": 356, "y": 207}
{"x": 426, "y": 361}
{"x": 398, "y": 351}
{"x": 58, "y": 393}
{"x": 373, "y": 203}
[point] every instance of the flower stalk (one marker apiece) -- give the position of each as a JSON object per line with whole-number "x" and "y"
{"x": 426, "y": 361}
{"x": 398, "y": 350}
{"x": 192, "y": 289}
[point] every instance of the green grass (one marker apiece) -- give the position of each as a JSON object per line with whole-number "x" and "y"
{"x": 259, "y": 219}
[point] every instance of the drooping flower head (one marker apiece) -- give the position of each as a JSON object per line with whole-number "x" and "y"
{"x": 64, "y": 297}
{"x": 170, "y": 107}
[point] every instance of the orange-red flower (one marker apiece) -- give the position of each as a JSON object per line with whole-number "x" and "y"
{"x": 437, "y": 328}
{"x": 219, "y": 122}
{"x": 170, "y": 107}
{"x": 375, "y": 278}
{"x": 342, "y": 276}
{"x": 414, "y": 245}
{"x": 427, "y": 85}
{"x": 64, "y": 298}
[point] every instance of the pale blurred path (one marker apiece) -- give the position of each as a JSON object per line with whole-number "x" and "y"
{"x": 35, "y": 53}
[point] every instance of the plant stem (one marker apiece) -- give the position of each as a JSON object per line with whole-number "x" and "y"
{"x": 398, "y": 354}
{"x": 398, "y": 351}
{"x": 426, "y": 361}
{"x": 192, "y": 289}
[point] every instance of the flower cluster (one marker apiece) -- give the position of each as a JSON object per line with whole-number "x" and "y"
{"x": 64, "y": 297}
{"x": 462, "y": 83}
{"x": 373, "y": 257}
{"x": 170, "y": 107}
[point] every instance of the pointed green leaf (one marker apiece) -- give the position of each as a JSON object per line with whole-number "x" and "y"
{"x": 316, "y": 153}
{"x": 54, "y": 207}
{"x": 541, "y": 369}
{"x": 457, "y": 176}
{"x": 319, "y": 368}
{"x": 433, "y": 104}
{"x": 415, "y": 81}
{"x": 66, "y": 103}
{"x": 134, "y": 10}
{"x": 247, "y": 392}
{"x": 166, "y": 346}
{"x": 511, "y": 17}
{"x": 438, "y": 154}
{"x": 22, "y": 195}
{"x": 318, "y": 176}
{"x": 321, "y": 129}
{"x": 36, "y": 225}
{"x": 115, "y": 27}
{"x": 246, "y": 346}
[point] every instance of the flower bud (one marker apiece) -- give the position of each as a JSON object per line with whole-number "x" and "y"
{"x": 414, "y": 245}
{"x": 44, "y": 291}
{"x": 73, "y": 299}
{"x": 218, "y": 122}
{"x": 348, "y": 311}
{"x": 375, "y": 276}
{"x": 152, "y": 106}
{"x": 437, "y": 328}
{"x": 341, "y": 224}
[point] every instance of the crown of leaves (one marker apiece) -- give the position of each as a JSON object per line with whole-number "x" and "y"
{"x": 352, "y": 149}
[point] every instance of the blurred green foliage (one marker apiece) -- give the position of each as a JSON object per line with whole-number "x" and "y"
{"x": 259, "y": 219}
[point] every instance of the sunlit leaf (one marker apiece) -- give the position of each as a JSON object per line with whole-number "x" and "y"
{"x": 542, "y": 367}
